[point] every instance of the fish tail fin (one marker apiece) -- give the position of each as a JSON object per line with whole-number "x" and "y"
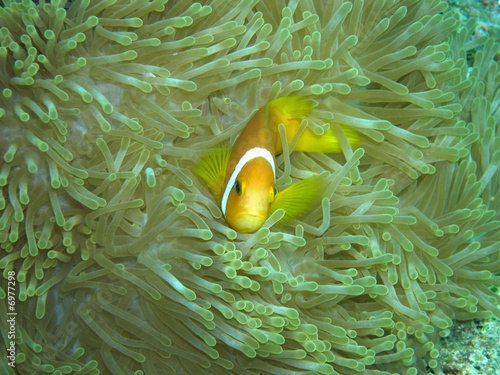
{"x": 288, "y": 110}
{"x": 212, "y": 169}
{"x": 353, "y": 136}
{"x": 326, "y": 142}
{"x": 291, "y": 107}
{"x": 299, "y": 197}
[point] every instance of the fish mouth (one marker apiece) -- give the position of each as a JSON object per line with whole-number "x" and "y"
{"x": 247, "y": 222}
{"x": 251, "y": 216}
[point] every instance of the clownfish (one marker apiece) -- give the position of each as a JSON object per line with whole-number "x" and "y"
{"x": 242, "y": 179}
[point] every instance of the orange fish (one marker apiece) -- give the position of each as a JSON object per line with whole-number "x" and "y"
{"x": 242, "y": 180}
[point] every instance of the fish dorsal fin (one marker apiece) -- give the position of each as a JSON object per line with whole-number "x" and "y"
{"x": 298, "y": 198}
{"x": 289, "y": 111}
{"x": 212, "y": 169}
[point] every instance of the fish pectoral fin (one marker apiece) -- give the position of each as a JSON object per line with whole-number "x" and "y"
{"x": 212, "y": 169}
{"x": 298, "y": 198}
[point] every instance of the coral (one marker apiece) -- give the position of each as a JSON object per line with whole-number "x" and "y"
{"x": 471, "y": 348}
{"x": 123, "y": 261}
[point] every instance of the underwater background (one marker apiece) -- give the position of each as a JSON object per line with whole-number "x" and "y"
{"x": 115, "y": 258}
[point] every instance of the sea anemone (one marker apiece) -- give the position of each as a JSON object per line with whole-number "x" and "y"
{"x": 123, "y": 262}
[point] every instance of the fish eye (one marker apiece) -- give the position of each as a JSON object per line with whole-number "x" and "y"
{"x": 237, "y": 187}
